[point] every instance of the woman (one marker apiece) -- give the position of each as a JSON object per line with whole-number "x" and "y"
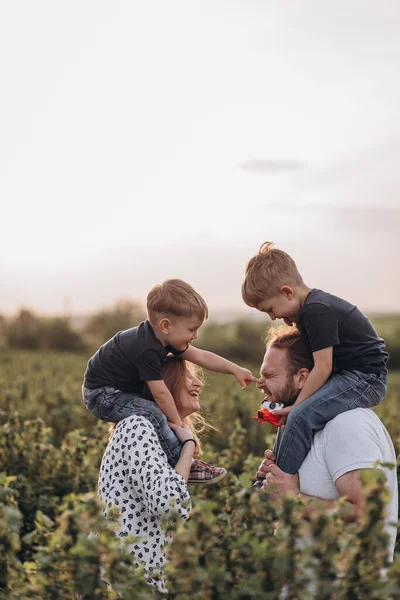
{"x": 136, "y": 478}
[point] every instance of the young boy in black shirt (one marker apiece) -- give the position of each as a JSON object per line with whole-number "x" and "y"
{"x": 349, "y": 358}
{"x": 115, "y": 378}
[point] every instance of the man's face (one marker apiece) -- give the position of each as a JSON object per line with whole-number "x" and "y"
{"x": 275, "y": 381}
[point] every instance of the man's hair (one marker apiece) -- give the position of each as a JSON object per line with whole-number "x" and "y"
{"x": 298, "y": 352}
{"x": 266, "y": 272}
{"x": 176, "y": 298}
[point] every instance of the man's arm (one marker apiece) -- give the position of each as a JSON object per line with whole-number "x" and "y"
{"x": 348, "y": 485}
{"x": 164, "y": 401}
{"x": 214, "y": 362}
{"x": 279, "y": 483}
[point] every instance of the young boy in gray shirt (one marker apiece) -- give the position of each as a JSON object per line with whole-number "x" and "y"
{"x": 349, "y": 358}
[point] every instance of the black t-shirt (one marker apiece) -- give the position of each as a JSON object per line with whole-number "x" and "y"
{"x": 129, "y": 359}
{"x": 326, "y": 320}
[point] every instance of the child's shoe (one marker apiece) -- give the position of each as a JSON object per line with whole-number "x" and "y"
{"x": 202, "y": 472}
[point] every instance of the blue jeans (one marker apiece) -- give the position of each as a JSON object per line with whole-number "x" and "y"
{"x": 343, "y": 391}
{"x": 108, "y": 404}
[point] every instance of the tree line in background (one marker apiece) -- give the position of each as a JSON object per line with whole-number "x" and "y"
{"x": 240, "y": 340}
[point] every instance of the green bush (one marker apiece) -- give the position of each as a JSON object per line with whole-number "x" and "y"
{"x": 238, "y": 544}
{"x": 33, "y": 333}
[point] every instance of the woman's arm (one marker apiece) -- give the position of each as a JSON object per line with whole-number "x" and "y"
{"x": 184, "y": 463}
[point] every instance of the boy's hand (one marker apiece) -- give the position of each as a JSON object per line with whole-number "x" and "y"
{"x": 283, "y": 413}
{"x": 244, "y": 377}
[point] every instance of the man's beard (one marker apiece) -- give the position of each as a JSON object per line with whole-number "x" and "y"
{"x": 288, "y": 395}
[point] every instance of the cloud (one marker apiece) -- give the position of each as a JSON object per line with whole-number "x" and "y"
{"x": 271, "y": 167}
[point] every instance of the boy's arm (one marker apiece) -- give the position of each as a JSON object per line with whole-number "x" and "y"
{"x": 164, "y": 400}
{"x": 323, "y": 362}
{"x": 214, "y": 362}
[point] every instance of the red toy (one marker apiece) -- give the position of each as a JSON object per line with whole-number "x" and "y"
{"x": 265, "y": 416}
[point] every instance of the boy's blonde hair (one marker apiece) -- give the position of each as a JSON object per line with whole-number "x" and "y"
{"x": 176, "y": 298}
{"x": 266, "y": 272}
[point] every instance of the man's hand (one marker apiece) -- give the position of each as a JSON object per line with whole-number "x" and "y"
{"x": 279, "y": 483}
{"x": 244, "y": 376}
{"x": 269, "y": 459}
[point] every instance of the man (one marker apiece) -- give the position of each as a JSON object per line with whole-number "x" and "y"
{"x": 349, "y": 443}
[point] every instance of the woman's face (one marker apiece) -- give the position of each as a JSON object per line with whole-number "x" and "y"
{"x": 189, "y": 397}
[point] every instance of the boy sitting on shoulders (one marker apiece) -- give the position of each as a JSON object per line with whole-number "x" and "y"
{"x": 115, "y": 378}
{"x": 349, "y": 358}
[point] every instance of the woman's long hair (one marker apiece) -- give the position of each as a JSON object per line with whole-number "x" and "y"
{"x": 174, "y": 375}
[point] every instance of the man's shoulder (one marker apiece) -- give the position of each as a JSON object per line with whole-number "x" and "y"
{"x": 356, "y": 424}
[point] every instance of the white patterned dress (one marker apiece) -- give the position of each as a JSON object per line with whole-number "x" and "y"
{"x": 136, "y": 478}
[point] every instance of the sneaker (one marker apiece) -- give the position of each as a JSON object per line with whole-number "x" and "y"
{"x": 202, "y": 472}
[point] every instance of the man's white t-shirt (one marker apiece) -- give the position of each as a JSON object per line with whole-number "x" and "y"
{"x": 353, "y": 440}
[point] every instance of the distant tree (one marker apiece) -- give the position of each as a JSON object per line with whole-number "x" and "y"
{"x": 57, "y": 334}
{"x": 29, "y": 332}
{"x": 3, "y": 325}
{"x": 106, "y": 323}
{"x": 237, "y": 340}
{"x": 23, "y": 331}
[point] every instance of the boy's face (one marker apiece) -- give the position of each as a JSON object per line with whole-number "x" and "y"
{"x": 283, "y": 306}
{"x": 183, "y": 331}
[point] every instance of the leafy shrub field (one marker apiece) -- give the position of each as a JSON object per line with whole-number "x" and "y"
{"x": 238, "y": 544}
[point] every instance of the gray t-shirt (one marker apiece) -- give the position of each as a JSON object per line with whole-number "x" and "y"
{"x": 353, "y": 440}
{"x": 326, "y": 320}
{"x": 128, "y": 359}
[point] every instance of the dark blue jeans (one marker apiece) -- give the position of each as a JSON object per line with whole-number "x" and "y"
{"x": 112, "y": 405}
{"x": 343, "y": 391}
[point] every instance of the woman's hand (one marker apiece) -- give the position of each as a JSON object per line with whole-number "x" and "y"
{"x": 183, "y": 433}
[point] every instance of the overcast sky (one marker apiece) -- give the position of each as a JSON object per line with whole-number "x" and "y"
{"x": 141, "y": 140}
